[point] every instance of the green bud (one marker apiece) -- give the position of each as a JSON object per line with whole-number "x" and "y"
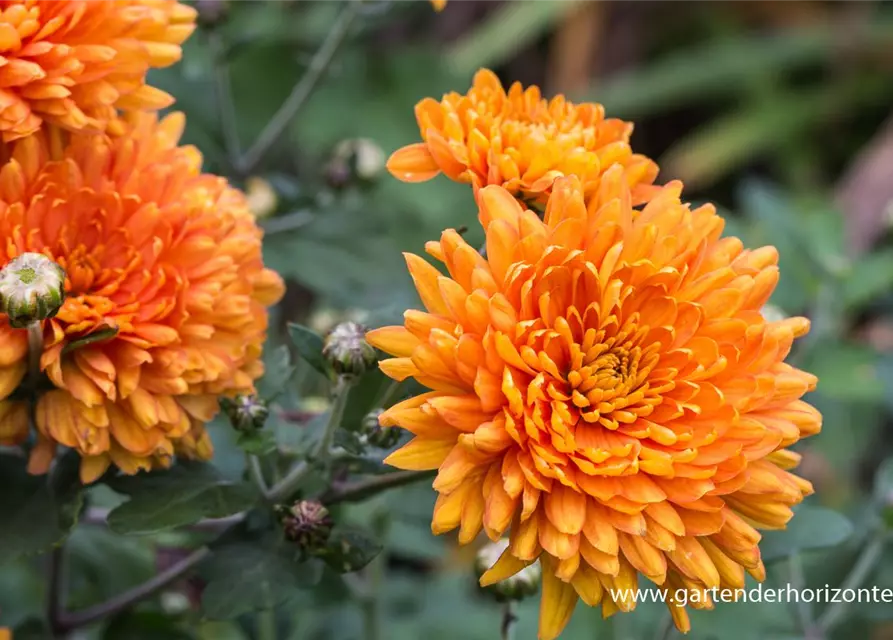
{"x": 306, "y": 523}
{"x": 517, "y": 587}
{"x": 375, "y": 435}
{"x": 32, "y": 288}
{"x": 245, "y": 413}
{"x": 346, "y": 349}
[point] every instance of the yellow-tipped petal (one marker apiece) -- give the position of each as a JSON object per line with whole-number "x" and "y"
{"x": 556, "y": 605}
{"x": 507, "y": 566}
{"x": 420, "y": 454}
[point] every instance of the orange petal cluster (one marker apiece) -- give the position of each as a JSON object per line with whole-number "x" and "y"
{"x": 74, "y": 63}
{"x": 520, "y": 141}
{"x": 606, "y": 391}
{"x": 154, "y": 249}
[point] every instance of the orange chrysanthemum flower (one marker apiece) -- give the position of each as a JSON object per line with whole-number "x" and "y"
{"x": 73, "y": 63}
{"x": 152, "y": 247}
{"x": 605, "y": 388}
{"x": 520, "y": 141}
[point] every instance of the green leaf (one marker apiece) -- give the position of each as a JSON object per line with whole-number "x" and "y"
{"x": 146, "y": 625}
{"x": 96, "y": 336}
{"x": 177, "y": 497}
{"x": 711, "y": 69}
{"x": 350, "y": 550}
{"x": 278, "y": 369}
{"x": 810, "y": 528}
{"x": 258, "y": 443}
{"x": 32, "y": 629}
{"x": 846, "y": 371}
{"x": 507, "y": 30}
{"x": 871, "y": 277}
{"x": 363, "y": 397}
{"x": 38, "y": 511}
{"x": 107, "y": 562}
{"x": 243, "y": 577}
{"x": 309, "y": 346}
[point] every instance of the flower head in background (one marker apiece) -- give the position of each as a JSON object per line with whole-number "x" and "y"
{"x": 520, "y": 141}
{"x": 438, "y": 5}
{"x": 75, "y": 63}
{"x": 166, "y": 292}
{"x": 605, "y": 389}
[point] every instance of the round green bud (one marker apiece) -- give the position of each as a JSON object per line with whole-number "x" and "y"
{"x": 32, "y": 288}
{"x": 346, "y": 349}
{"x": 245, "y": 413}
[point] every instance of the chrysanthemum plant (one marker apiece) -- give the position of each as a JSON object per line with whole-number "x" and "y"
{"x": 597, "y": 396}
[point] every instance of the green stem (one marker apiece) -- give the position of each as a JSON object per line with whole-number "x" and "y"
{"x": 301, "y": 91}
{"x": 362, "y": 489}
{"x": 321, "y": 452}
{"x": 371, "y": 606}
{"x": 388, "y": 395}
{"x": 796, "y": 576}
{"x": 508, "y": 621}
{"x": 35, "y": 350}
{"x": 257, "y": 473}
{"x": 74, "y": 620}
{"x": 266, "y": 618}
{"x": 865, "y": 564}
{"x": 225, "y": 104}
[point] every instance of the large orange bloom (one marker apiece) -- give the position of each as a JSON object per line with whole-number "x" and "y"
{"x": 74, "y": 62}
{"x": 168, "y": 256}
{"x": 520, "y": 141}
{"x": 605, "y": 388}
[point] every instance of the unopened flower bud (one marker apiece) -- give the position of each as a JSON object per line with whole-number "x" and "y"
{"x": 517, "y": 587}
{"x": 245, "y": 413}
{"x": 347, "y": 351}
{"x": 306, "y": 523}
{"x": 382, "y": 438}
{"x": 32, "y": 288}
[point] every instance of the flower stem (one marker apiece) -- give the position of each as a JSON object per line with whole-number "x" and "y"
{"x": 65, "y": 622}
{"x": 321, "y": 452}
{"x": 804, "y": 610}
{"x": 266, "y": 618}
{"x": 508, "y": 621}
{"x": 301, "y": 91}
{"x": 35, "y": 350}
{"x": 55, "y": 586}
{"x": 257, "y": 474}
{"x": 865, "y": 564}
{"x": 362, "y": 489}
{"x": 225, "y": 104}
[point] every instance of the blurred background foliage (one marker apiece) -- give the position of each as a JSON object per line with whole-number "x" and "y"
{"x": 776, "y": 111}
